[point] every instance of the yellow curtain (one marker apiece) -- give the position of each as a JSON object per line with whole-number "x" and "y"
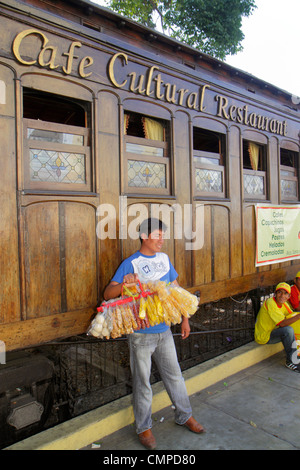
{"x": 254, "y": 155}
{"x": 126, "y": 123}
{"x": 153, "y": 129}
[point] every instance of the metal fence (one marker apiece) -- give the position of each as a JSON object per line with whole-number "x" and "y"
{"x": 90, "y": 373}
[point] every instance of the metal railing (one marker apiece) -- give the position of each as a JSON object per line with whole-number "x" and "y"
{"x": 90, "y": 373}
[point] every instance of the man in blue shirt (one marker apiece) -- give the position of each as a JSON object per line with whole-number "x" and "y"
{"x": 149, "y": 264}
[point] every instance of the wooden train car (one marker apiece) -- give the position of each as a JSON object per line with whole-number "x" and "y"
{"x": 104, "y": 120}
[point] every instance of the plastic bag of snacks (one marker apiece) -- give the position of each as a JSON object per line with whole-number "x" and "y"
{"x": 118, "y": 317}
{"x": 149, "y": 305}
{"x": 174, "y": 299}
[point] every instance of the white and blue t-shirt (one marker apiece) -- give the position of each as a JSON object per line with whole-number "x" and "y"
{"x": 148, "y": 268}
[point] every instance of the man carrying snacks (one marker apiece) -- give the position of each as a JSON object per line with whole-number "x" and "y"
{"x": 149, "y": 264}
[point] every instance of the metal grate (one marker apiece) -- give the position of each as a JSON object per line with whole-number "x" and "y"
{"x": 91, "y": 373}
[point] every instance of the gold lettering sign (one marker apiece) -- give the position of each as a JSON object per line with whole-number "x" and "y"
{"x": 52, "y": 62}
{"x": 149, "y": 84}
{"x": 242, "y": 115}
{"x": 152, "y": 85}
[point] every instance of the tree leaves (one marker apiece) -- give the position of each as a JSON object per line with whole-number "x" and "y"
{"x": 212, "y": 26}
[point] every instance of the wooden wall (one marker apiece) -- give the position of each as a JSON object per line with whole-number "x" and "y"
{"x": 54, "y": 268}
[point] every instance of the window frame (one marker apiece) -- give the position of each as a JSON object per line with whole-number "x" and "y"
{"x": 165, "y": 159}
{"x": 259, "y": 172}
{"x": 60, "y": 147}
{"x": 294, "y": 170}
{"x": 221, "y": 157}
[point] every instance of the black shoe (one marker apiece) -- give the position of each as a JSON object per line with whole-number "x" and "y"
{"x": 293, "y": 367}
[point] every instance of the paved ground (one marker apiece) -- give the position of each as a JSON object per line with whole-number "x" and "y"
{"x": 256, "y": 409}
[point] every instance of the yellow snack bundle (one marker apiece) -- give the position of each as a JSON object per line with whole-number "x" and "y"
{"x": 159, "y": 309}
{"x": 175, "y": 300}
{"x": 160, "y": 303}
{"x": 188, "y": 302}
{"x": 142, "y": 308}
{"x": 151, "y": 311}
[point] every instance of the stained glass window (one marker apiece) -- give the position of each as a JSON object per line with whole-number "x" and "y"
{"x": 57, "y": 167}
{"x": 209, "y": 180}
{"x": 146, "y": 174}
{"x": 56, "y": 158}
{"x": 289, "y": 189}
{"x": 146, "y": 154}
{"x": 208, "y": 158}
{"x": 254, "y": 185}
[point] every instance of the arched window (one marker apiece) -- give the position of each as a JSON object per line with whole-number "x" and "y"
{"x": 56, "y": 142}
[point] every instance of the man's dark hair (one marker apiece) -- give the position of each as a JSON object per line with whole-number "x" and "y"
{"x": 149, "y": 225}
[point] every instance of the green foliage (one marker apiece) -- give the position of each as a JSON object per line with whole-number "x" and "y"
{"x": 212, "y": 26}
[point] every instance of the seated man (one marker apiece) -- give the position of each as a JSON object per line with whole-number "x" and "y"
{"x": 272, "y": 324}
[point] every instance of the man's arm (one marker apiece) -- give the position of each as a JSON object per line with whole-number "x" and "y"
{"x": 185, "y": 328}
{"x": 289, "y": 321}
{"x": 185, "y": 324}
{"x": 114, "y": 289}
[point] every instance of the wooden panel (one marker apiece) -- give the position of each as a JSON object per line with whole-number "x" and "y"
{"x": 221, "y": 243}
{"x": 274, "y": 182}
{"x": 42, "y": 259}
{"x": 9, "y": 263}
{"x": 249, "y": 239}
{"x": 60, "y": 257}
{"x": 234, "y": 178}
{"x": 56, "y": 84}
{"x": 212, "y": 262}
{"x": 202, "y": 259}
{"x": 80, "y": 256}
{"x": 40, "y": 330}
{"x": 108, "y": 181}
{"x": 182, "y": 190}
{"x": 274, "y": 177}
{"x": 228, "y": 287}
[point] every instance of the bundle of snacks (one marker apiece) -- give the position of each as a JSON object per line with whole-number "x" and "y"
{"x": 115, "y": 319}
{"x": 101, "y": 326}
{"x": 153, "y": 303}
{"x": 174, "y": 300}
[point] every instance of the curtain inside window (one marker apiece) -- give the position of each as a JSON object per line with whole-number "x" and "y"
{"x": 254, "y": 155}
{"x": 126, "y": 123}
{"x": 153, "y": 129}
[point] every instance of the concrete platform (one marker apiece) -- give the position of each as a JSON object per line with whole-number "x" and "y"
{"x": 245, "y": 399}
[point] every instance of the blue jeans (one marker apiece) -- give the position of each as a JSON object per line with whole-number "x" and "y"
{"x": 161, "y": 347}
{"x": 286, "y": 334}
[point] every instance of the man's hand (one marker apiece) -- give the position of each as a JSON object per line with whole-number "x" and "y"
{"x": 130, "y": 279}
{"x": 185, "y": 328}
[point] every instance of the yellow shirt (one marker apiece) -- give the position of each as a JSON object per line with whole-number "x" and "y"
{"x": 268, "y": 318}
